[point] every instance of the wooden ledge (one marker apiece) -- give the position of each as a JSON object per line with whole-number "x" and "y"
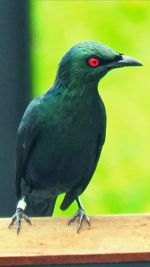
{"x": 50, "y": 241}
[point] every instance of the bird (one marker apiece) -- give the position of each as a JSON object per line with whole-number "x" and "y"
{"x": 62, "y": 133}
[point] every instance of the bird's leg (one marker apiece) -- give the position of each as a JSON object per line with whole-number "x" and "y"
{"x": 81, "y": 215}
{"x": 19, "y": 215}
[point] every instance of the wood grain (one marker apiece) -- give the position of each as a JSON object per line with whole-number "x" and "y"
{"x": 121, "y": 238}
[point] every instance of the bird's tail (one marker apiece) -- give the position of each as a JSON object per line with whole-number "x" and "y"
{"x": 41, "y": 207}
{"x": 68, "y": 199}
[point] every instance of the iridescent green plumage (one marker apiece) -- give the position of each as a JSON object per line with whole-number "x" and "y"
{"x": 62, "y": 133}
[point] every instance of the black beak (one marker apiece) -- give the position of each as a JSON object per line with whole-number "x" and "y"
{"x": 124, "y": 61}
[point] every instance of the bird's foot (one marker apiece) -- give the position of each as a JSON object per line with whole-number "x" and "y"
{"x": 81, "y": 215}
{"x": 17, "y": 217}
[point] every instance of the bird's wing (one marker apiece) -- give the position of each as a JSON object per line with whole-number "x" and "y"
{"x": 27, "y": 134}
{"x": 81, "y": 186}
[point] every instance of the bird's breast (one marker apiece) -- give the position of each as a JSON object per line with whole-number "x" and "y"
{"x": 66, "y": 147}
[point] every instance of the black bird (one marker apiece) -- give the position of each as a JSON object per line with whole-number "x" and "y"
{"x": 62, "y": 133}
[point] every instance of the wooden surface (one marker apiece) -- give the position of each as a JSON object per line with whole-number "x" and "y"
{"x": 50, "y": 240}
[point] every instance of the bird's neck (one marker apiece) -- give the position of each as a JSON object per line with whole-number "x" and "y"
{"x": 76, "y": 88}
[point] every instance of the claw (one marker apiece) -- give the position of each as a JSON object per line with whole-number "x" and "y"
{"x": 17, "y": 217}
{"x": 26, "y": 218}
{"x": 72, "y": 219}
{"x": 12, "y": 221}
{"x": 81, "y": 215}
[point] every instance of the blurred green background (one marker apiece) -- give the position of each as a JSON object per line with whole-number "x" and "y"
{"x": 121, "y": 183}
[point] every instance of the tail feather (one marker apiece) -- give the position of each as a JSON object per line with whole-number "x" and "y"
{"x": 41, "y": 207}
{"x": 68, "y": 199}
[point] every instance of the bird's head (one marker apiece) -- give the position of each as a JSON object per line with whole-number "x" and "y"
{"x": 89, "y": 61}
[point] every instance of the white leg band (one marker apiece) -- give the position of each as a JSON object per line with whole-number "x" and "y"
{"x": 22, "y": 204}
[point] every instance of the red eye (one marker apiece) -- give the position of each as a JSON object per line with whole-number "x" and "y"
{"x": 93, "y": 62}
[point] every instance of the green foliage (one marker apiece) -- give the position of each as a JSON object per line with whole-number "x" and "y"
{"x": 121, "y": 183}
